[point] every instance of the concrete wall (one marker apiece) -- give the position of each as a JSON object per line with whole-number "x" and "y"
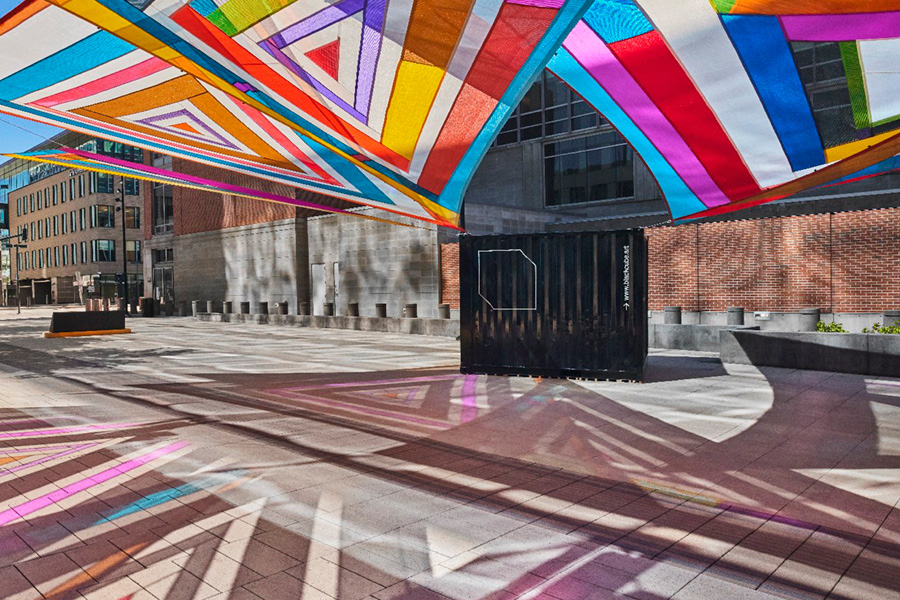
{"x": 873, "y": 354}
{"x": 778, "y": 321}
{"x": 265, "y": 262}
{"x": 379, "y": 263}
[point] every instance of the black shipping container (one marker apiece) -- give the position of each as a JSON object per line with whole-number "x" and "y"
{"x": 554, "y": 305}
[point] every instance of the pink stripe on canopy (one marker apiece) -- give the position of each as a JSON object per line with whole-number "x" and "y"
{"x": 842, "y": 28}
{"x": 597, "y": 59}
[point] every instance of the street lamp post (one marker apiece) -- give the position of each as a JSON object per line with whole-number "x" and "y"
{"x": 121, "y": 209}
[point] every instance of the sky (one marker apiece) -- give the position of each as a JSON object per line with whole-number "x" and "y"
{"x": 17, "y": 134}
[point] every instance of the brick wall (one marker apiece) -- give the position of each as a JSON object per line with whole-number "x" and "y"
{"x": 198, "y": 210}
{"x": 450, "y": 275}
{"x": 779, "y": 264}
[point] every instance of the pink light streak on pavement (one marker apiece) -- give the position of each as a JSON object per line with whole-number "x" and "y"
{"x": 66, "y": 430}
{"x": 69, "y": 450}
{"x": 22, "y": 510}
{"x": 470, "y": 404}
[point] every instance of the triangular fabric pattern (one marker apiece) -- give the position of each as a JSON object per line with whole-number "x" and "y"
{"x": 327, "y": 57}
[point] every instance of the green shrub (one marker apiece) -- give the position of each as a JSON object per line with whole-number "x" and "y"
{"x": 877, "y": 328}
{"x": 824, "y": 327}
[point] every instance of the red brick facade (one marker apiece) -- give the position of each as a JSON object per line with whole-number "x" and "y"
{"x": 846, "y": 262}
{"x": 450, "y": 275}
{"x": 198, "y": 210}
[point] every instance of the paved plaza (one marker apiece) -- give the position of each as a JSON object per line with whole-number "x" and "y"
{"x": 198, "y": 460}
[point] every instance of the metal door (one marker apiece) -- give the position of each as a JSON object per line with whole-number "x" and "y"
{"x": 317, "y": 278}
{"x": 554, "y": 305}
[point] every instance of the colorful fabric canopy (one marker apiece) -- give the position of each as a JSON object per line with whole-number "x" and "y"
{"x": 393, "y": 103}
{"x": 83, "y": 160}
{"x": 727, "y": 102}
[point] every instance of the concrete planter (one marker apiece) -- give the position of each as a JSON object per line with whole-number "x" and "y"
{"x": 860, "y": 353}
{"x": 704, "y": 338}
{"x": 434, "y": 327}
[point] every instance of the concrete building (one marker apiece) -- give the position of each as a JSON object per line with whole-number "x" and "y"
{"x": 75, "y": 246}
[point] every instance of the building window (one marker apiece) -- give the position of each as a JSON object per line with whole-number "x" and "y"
{"x": 588, "y": 169}
{"x": 81, "y": 186}
{"x": 47, "y": 226}
{"x": 83, "y": 257}
{"x": 54, "y": 195}
{"x": 31, "y": 201}
{"x": 65, "y": 255}
{"x": 56, "y": 256}
{"x": 166, "y": 255}
{"x": 55, "y": 225}
{"x": 40, "y": 259}
{"x": 18, "y": 207}
{"x": 72, "y": 188}
{"x": 133, "y": 250}
{"x": 163, "y": 209}
{"x": 40, "y": 230}
{"x": 62, "y": 191}
{"x": 81, "y": 218}
{"x": 73, "y": 223}
{"x": 49, "y": 257}
{"x": 63, "y": 224}
{"x": 133, "y": 217}
{"x": 40, "y": 200}
{"x": 103, "y": 216}
{"x": 548, "y": 108}
{"x": 103, "y": 250}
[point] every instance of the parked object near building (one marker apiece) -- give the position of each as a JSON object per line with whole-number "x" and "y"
{"x": 558, "y": 305}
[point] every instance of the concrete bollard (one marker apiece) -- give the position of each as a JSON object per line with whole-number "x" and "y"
{"x": 303, "y": 309}
{"x": 353, "y": 309}
{"x": 329, "y": 309}
{"x": 195, "y": 307}
{"x": 735, "y": 315}
{"x": 263, "y": 308}
{"x": 891, "y": 318}
{"x": 282, "y": 308}
{"x": 245, "y": 308}
{"x": 210, "y": 306}
{"x": 443, "y": 311}
{"x": 381, "y": 310}
{"x": 672, "y": 315}
{"x": 808, "y": 319}
{"x": 410, "y": 311}
{"x": 227, "y": 307}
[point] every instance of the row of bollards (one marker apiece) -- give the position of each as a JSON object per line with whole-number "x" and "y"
{"x": 410, "y": 311}
{"x": 807, "y": 320}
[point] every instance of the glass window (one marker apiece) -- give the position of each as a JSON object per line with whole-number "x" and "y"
{"x": 74, "y": 254}
{"x": 62, "y": 191}
{"x": 40, "y": 200}
{"x": 103, "y": 250}
{"x": 54, "y": 195}
{"x": 31, "y": 201}
{"x": 103, "y": 216}
{"x": 81, "y": 185}
{"x": 83, "y": 257}
{"x": 56, "y": 256}
{"x": 72, "y": 188}
{"x": 55, "y": 225}
{"x": 163, "y": 209}
{"x": 589, "y": 169}
{"x": 81, "y": 219}
{"x": 548, "y": 108}
{"x": 73, "y": 223}
{"x": 133, "y": 217}
{"x": 133, "y": 250}
{"x": 63, "y": 224}
{"x": 65, "y": 256}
